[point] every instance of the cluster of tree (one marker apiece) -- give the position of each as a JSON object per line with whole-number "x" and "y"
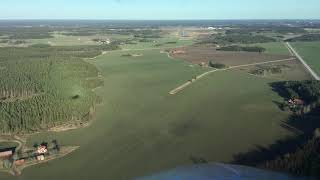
{"x": 301, "y": 96}
{"x": 217, "y": 65}
{"x": 242, "y": 48}
{"x": 30, "y": 155}
{"x": 308, "y": 91}
{"x": 38, "y": 85}
{"x": 236, "y": 39}
{"x": 147, "y": 34}
{"x": 243, "y": 39}
{"x": 263, "y": 70}
{"x": 306, "y": 37}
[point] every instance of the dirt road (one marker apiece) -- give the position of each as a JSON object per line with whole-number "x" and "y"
{"x": 183, "y": 86}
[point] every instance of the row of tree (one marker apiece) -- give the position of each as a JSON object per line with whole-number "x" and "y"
{"x": 242, "y": 48}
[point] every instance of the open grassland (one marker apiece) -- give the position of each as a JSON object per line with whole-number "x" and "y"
{"x": 310, "y": 52}
{"x": 274, "y": 48}
{"x": 141, "y": 129}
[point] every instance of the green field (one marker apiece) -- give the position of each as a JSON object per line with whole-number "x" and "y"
{"x": 310, "y": 51}
{"x": 159, "y": 43}
{"x": 141, "y": 129}
{"x": 274, "y": 48}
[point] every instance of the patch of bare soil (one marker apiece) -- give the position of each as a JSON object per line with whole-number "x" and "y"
{"x": 204, "y": 54}
{"x": 70, "y": 126}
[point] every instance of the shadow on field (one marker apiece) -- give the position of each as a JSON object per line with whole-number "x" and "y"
{"x": 302, "y": 126}
{"x": 304, "y": 130}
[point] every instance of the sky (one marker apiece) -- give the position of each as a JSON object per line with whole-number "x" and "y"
{"x": 160, "y": 9}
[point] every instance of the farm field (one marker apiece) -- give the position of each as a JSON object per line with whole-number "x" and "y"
{"x": 310, "y": 53}
{"x": 141, "y": 129}
{"x": 274, "y": 48}
{"x": 64, "y": 40}
{"x": 198, "y": 54}
{"x": 167, "y": 42}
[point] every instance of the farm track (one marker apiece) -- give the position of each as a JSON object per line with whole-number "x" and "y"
{"x": 20, "y": 141}
{"x": 296, "y": 54}
{"x": 185, "y": 85}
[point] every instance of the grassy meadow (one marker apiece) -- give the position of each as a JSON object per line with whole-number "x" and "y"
{"x": 274, "y": 48}
{"x": 310, "y": 53}
{"x": 141, "y": 129}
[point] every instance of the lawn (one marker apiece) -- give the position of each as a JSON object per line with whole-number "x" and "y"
{"x": 310, "y": 52}
{"x": 141, "y": 129}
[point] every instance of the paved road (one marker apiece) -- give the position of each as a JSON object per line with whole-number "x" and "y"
{"x": 295, "y": 53}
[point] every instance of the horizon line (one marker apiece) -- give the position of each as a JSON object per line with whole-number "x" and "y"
{"x": 92, "y": 19}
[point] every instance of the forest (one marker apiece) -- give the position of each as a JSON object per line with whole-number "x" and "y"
{"x": 43, "y": 86}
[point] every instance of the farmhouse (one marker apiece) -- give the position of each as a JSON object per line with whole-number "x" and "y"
{"x": 42, "y": 150}
{"x": 296, "y": 102}
{"x": 6, "y": 154}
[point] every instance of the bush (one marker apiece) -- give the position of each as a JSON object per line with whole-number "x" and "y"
{"x": 217, "y": 65}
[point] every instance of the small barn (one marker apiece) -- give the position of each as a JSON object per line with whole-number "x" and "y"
{"x": 296, "y": 102}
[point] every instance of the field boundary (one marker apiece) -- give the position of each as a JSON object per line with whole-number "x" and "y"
{"x": 296, "y": 54}
{"x": 185, "y": 85}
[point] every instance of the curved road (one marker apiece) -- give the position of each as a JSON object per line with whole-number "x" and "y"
{"x": 295, "y": 53}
